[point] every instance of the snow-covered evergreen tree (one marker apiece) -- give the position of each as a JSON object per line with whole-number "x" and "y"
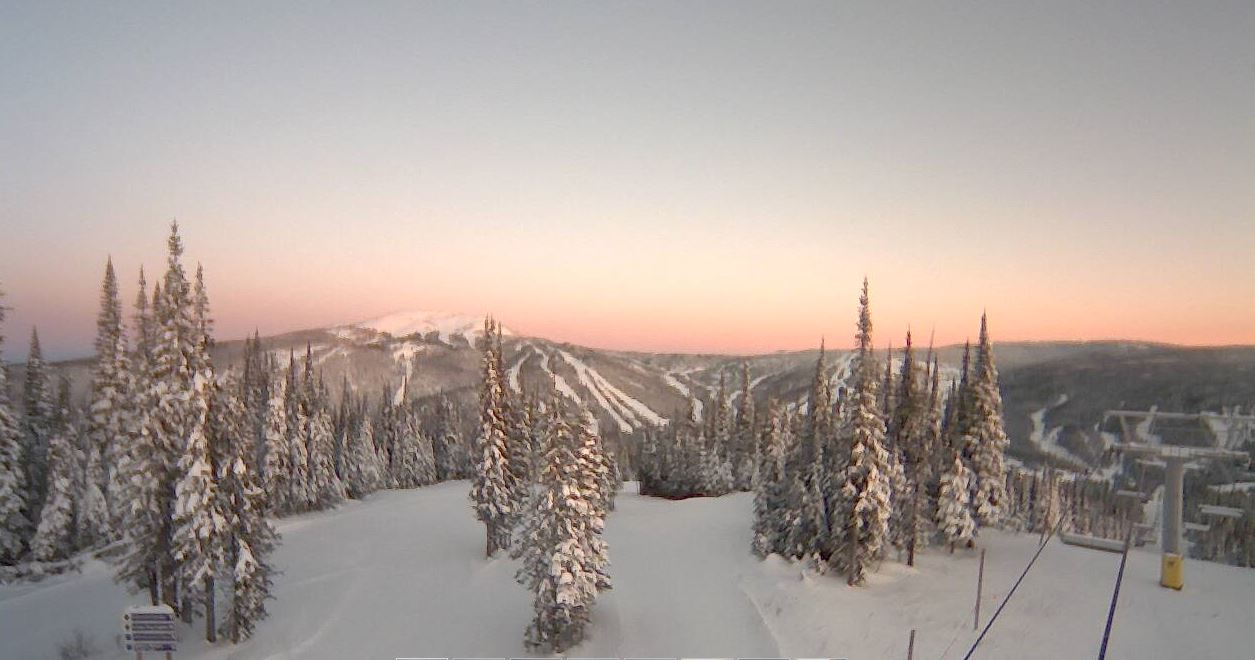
{"x": 56, "y": 536}
{"x": 769, "y": 491}
{"x": 15, "y": 526}
{"x": 301, "y": 494}
{"x": 171, "y": 414}
{"x": 201, "y": 514}
{"x": 861, "y": 515}
{"x": 327, "y": 489}
{"x": 744, "y": 436}
{"x": 363, "y": 472}
{"x": 248, "y": 537}
{"x": 107, "y": 419}
{"x": 37, "y": 422}
{"x": 277, "y": 471}
{"x": 989, "y": 441}
{"x": 451, "y": 456}
{"x": 492, "y": 487}
{"x": 560, "y": 533}
{"x": 954, "y": 515}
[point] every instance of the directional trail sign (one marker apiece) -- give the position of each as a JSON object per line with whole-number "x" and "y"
{"x": 149, "y": 629}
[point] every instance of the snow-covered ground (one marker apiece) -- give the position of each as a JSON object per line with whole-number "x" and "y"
{"x": 402, "y": 574}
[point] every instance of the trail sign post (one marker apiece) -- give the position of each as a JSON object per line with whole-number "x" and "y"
{"x": 149, "y": 629}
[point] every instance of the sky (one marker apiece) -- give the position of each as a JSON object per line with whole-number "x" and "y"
{"x": 677, "y": 176}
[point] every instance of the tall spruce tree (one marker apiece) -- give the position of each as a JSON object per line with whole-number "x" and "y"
{"x": 744, "y": 436}
{"x": 561, "y": 541}
{"x": 109, "y": 406}
{"x": 171, "y": 415}
{"x": 769, "y": 486}
{"x": 248, "y": 537}
{"x": 492, "y": 488}
{"x": 861, "y": 524}
{"x": 56, "y": 536}
{"x": 15, "y": 525}
{"x": 201, "y": 513}
{"x": 988, "y": 439}
{"x": 954, "y": 515}
{"x": 363, "y": 472}
{"x": 278, "y": 468}
{"x": 37, "y": 422}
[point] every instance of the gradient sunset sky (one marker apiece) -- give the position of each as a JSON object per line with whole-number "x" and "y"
{"x": 690, "y": 176}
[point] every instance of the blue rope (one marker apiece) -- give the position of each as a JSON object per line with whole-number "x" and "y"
{"x": 1012, "y": 591}
{"x": 1115, "y": 596}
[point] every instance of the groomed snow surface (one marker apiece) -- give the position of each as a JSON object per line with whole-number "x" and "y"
{"x": 402, "y": 574}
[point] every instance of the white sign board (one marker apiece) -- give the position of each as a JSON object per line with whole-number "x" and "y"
{"x": 149, "y": 629}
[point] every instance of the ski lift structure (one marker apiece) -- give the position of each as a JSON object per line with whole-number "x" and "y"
{"x": 1174, "y": 459}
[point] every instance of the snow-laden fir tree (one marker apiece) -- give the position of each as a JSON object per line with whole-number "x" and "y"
{"x": 988, "y": 439}
{"x": 248, "y": 538}
{"x": 170, "y": 415}
{"x": 415, "y": 463}
{"x": 15, "y": 527}
{"x": 363, "y": 472}
{"x": 138, "y": 497}
{"x": 201, "y": 514}
{"x": 596, "y": 477}
{"x": 805, "y": 515}
{"x": 770, "y": 504}
{"x": 450, "y": 454}
{"x": 954, "y": 515}
{"x": 37, "y": 421}
{"x": 562, "y": 529}
{"x": 256, "y": 382}
{"x": 744, "y": 435}
{"x": 323, "y": 488}
{"x": 913, "y": 448}
{"x": 492, "y": 485}
{"x": 277, "y": 470}
{"x": 56, "y": 536}
{"x": 93, "y": 528}
{"x": 107, "y": 420}
{"x": 861, "y": 515}
{"x": 301, "y": 494}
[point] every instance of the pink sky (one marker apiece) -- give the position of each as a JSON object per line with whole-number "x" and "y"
{"x": 664, "y": 176}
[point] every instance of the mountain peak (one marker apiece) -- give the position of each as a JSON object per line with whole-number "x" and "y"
{"x": 447, "y": 324}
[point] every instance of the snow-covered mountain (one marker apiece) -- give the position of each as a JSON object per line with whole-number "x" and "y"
{"x": 446, "y": 325}
{"x": 1054, "y": 392}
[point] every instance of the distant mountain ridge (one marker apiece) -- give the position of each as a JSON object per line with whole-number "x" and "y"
{"x": 1052, "y": 391}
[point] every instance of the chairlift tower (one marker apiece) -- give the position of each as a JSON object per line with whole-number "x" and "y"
{"x": 1175, "y": 459}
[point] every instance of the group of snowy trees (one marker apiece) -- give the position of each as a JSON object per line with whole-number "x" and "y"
{"x": 542, "y": 485}
{"x": 158, "y": 470}
{"x": 886, "y": 461}
{"x": 883, "y": 462}
{"x": 707, "y": 451}
{"x": 173, "y": 466}
{"x": 314, "y": 454}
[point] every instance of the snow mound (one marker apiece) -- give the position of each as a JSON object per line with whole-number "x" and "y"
{"x": 447, "y": 324}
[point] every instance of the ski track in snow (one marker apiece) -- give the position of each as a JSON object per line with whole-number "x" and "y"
{"x": 559, "y": 383}
{"x": 607, "y": 395}
{"x": 670, "y": 378}
{"x": 1047, "y": 440}
{"x": 513, "y": 378}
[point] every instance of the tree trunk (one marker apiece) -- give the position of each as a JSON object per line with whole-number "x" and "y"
{"x": 210, "y": 625}
{"x": 154, "y": 593}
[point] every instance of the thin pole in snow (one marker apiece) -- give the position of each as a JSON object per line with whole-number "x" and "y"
{"x": 980, "y": 581}
{"x": 910, "y": 646}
